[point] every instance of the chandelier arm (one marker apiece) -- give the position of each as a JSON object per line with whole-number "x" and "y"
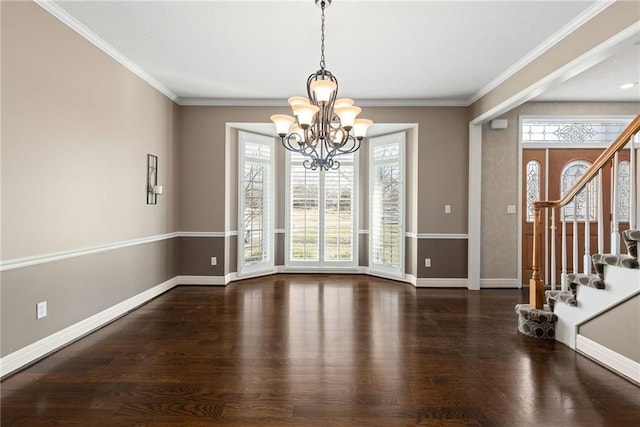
{"x": 352, "y": 147}
{"x": 322, "y": 138}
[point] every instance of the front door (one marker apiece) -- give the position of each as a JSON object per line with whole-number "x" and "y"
{"x": 547, "y": 175}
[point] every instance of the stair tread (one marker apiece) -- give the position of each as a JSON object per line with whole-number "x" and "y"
{"x": 535, "y": 323}
{"x": 626, "y": 261}
{"x": 567, "y": 297}
{"x": 631, "y": 239}
{"x": 588, "y": 280}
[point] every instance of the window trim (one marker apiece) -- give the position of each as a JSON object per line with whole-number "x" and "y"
{"x": 268, "y": 231}
{"x": 382, "y": 269}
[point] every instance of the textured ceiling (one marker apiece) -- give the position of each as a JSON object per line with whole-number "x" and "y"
{"x": 448, "y": 52}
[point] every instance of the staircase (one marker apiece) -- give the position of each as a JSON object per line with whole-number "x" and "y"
{"x": 617, "y": 278}
{"x": 607, "y": 280}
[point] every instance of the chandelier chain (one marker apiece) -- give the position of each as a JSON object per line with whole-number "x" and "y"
{"x": 322, "y": 63}
{"x": 322, "y": 127}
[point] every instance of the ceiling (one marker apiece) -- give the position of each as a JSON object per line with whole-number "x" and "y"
{"x": 418, "y": 52}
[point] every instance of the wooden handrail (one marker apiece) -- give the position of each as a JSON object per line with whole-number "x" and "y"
{"x": 536, "y": 284}
{"x": 621, "y": 141}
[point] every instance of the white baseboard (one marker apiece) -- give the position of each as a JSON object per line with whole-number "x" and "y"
{"x": 407, "y": 278}
{"x": 202, "y": 280}
{"x": 410, "y": 278}
{"x": 500, "y": 283}
{"x": 41, "y": 348}
{"x": 608, "y": 357}
{"x": 442, "y": 283}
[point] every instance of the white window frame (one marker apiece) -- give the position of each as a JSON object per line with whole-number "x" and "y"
{"x": 321, "y": 263}
{"x": 388, "y": 269}
{"x": 267, "y": 265}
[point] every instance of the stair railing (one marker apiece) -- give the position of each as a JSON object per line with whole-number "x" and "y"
{"x": 583, "y": 186}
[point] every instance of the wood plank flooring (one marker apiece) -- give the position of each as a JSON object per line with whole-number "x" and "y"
{"x": 318, "y": 350}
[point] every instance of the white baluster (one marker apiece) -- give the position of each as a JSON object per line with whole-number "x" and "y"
{"x": 586, "y": 266}
{"x": 553, "y": 249}
{"x": 563, "y": 277}
{"x": 575, "y": 236}
{"x": 633, "y": 183}
{"x": 615, "y": 223}
{"x": 600, "y": 214}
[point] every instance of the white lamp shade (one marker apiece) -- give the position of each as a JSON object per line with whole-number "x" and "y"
{"x": 343, "y": 102}
{"x": 305, "y": 114}
{"x": 298, "y": 130}
{"x": 360, "y": 127}
{"x": 347, "y": 115}
{"x": 283, "y": 123}
{"x": 323, "y": 89}
{"x": 296, "y": 101}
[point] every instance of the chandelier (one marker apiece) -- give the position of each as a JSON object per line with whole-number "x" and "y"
{"x": 323, "y": 127}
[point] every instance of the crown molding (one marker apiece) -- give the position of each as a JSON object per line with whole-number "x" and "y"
{"x": 559, "y": 35}
{"x": 93, "y": 38}
{"x": 231, "y": 102}
{"x": 253, "y": 102}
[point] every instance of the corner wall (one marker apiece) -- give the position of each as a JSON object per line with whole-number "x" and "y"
{"x": 500, "y": 176}
{"x": 76, "y": 130}
{"x": 438, "y": 165}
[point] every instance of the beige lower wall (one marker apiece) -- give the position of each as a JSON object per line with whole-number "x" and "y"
{"x": 195, "y": 256}
{"x": 618, "y": 329}
{"x": 77, "y": 288}
{"x": 448, "y": 258}
{"x": 410, "y": 254}
{"x": 500, "y": 165}
{"x": 280, "y": 245}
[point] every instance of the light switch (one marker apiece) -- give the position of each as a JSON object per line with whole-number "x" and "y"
{"x": 447, "y": 209}
{"x": 511, "y": 209}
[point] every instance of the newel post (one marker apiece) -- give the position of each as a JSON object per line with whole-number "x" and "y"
{"x": 536, "y": 284}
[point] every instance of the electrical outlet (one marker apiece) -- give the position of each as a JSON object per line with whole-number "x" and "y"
{"x": 41, "y": 310}
{"x": 214, "y": 260}
{"x": 427, "y": 262}
{"x": 447, "y": 209}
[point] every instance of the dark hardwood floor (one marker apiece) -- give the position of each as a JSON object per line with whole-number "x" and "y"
{"x": 319, "y": 350}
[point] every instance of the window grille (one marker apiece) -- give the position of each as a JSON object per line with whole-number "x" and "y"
{"x": 533, "y": 187}
{"x": 577, "y": 208}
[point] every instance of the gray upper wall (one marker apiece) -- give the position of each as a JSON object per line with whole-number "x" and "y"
{"x": 76, "y": 130}
{"x": 442, "y": 133}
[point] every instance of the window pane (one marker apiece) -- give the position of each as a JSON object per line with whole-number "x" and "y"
{"x": 338, "y": 213}
{"x": 533, "y": 187}
{"x": 304, "y": 211}
{"x": 623, "y": 191}
{"x": 577, "y": 208}
{"x": 386, "y": 219}
{"x": 567, "y": 130}
{"x": 256, "y": 198}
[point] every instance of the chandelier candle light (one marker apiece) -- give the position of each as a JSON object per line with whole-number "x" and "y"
{"x": 323, "y": 127}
